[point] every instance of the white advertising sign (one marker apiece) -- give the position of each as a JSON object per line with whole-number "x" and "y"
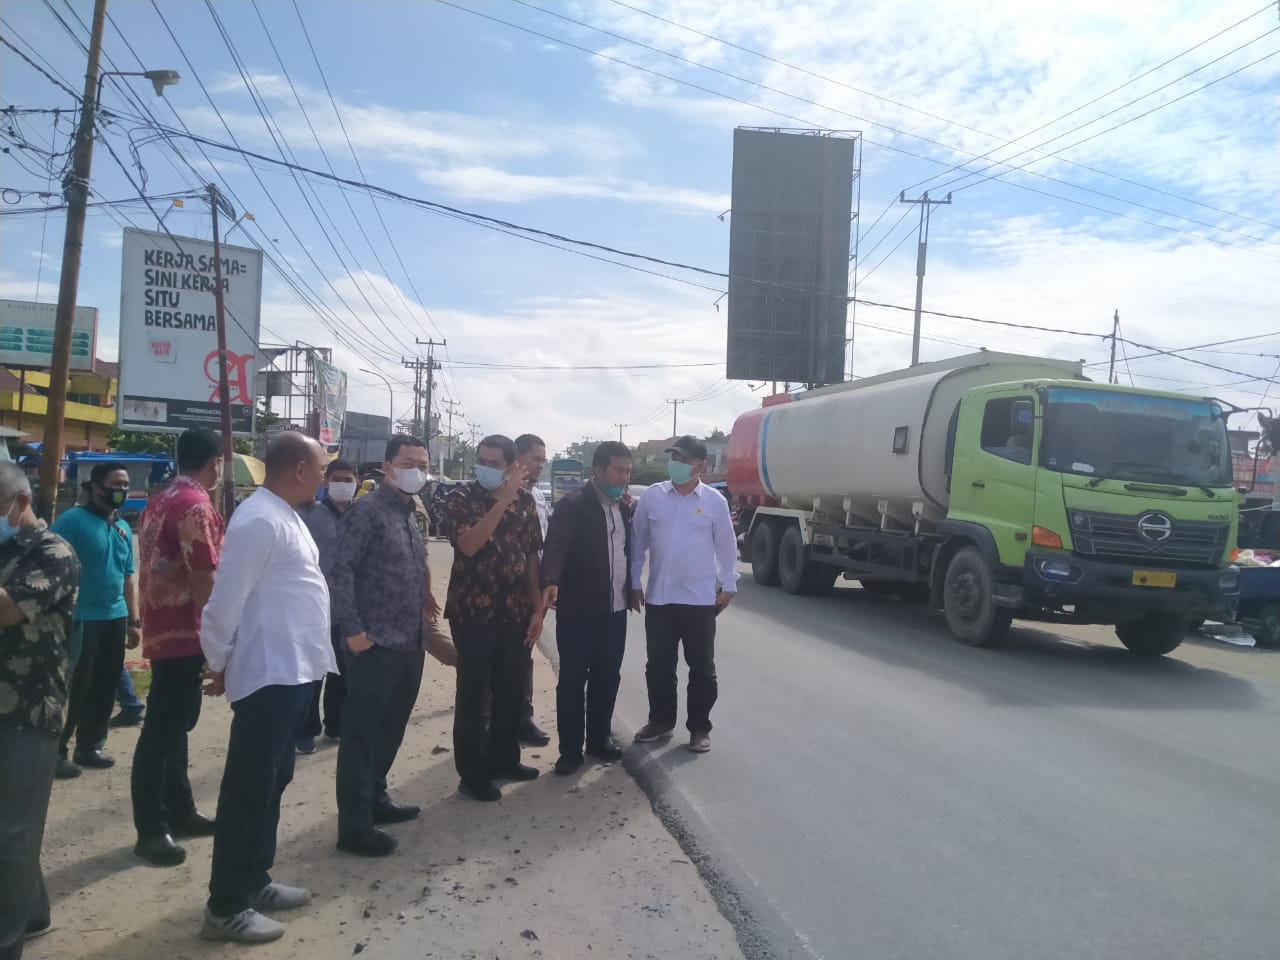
{"x": 26, "y": 335}
{"x": 169, "y": 333}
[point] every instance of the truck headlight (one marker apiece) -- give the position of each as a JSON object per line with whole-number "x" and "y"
{"x": 1059, "y": 571}
{"x": 1229, "y": 582}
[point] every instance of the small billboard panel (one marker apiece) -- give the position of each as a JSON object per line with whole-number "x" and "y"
{"x": 169, "y": 333}
{"x": 26, "y": 335}
{"x": 330, "y": 400}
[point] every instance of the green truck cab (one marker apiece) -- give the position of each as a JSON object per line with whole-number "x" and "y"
{"x": 1090, "y": 503}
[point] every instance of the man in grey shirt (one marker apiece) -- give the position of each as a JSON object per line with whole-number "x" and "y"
{"x": 381, "y": 597}
{"x": 321, "y": 518}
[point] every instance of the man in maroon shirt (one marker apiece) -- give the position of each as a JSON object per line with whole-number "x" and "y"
{"x": 181, "y": 541}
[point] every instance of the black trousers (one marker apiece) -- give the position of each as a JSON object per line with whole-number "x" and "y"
{"x": 260, "y": 756}
{"x": 332, "y": 692}
{"x": 493, "y": 664}
{"x": 382, "y": 687}
{"x": 93, "y": 684}
{"x": 591, "y": 648}
{"x": 27, "y": 759}
{"x": 159, "y": 784}
{"x": 665, "y": 626}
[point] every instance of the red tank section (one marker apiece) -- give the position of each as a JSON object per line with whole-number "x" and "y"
{"x": 746, "y": 487}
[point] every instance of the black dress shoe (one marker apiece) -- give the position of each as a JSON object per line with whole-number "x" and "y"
{"x": 163, "y": 851}
{"x": 517, "y": 772}
{"x": 609, "y": 751}
{"x": 125, "y": 718}
{"x": 367, "y": 843}
{"x": 66, "y": 770}
{"x": 534, "y": 736}
{"x": 567, "y": 765}
{"x": 194, "y": 825}
{"x": 94, "y": 760}
{"x": 485, "y": 790}
{"x": 391, "y": 812}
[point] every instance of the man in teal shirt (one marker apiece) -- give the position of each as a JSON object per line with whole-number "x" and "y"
{"x": 106, "y": 613}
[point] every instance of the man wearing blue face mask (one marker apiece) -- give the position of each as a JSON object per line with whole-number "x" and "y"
{"x": 686, "y": 530}
{"x": 495, "y": 613}
{"x": 107, "y": 613}
{"x": 380, "y": 588}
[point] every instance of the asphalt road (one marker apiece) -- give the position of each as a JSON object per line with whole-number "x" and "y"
{"x": 877, "y": 790}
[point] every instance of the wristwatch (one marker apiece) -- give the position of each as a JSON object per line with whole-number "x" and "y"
{"x": 135, "y": 623}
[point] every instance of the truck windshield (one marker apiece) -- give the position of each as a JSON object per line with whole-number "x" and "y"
{"x": 1112, "y": 435}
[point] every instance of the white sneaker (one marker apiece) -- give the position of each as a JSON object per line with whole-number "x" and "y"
{"x": 247, "y": 926}
{"x": 699, "y": 743}
{"x": 277, "y": 896}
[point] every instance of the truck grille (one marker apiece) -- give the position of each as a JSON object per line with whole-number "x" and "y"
{"x": 1112, "y": 537}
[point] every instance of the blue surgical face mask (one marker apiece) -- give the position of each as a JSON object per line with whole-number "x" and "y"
{"x": 488, "y": 477}
{"x": 680, "y": 473}
{"x": 613, "y": 493}
{"x": 7, "y": 530}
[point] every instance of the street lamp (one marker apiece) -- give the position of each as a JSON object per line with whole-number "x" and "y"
{"x": 76, "y": 194}
{"x": 159, "y": 79}
{"x": 391, "y": 400}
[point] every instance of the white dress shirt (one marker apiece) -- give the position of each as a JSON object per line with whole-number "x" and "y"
{"x": 267, "y": 620}
{"x": 690, "y": 543}
{"x": 616, "y": 526}
{"x": 540, "y": 501}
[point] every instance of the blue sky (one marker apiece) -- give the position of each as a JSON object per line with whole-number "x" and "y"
{"x": 445, "y": 105}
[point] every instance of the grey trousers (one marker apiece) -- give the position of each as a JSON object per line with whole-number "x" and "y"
{"x": 27, "y": 759}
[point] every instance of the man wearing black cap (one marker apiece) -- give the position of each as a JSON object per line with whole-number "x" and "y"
{"x": 685, "y": 529}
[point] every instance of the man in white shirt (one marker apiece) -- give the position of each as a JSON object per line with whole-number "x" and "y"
{"x": 266, "y": 639}
{"x": 531, "y": 453}
{"x": 686, "y": 530}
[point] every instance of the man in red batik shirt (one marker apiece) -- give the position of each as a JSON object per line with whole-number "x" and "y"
{"x": 181, "y": 541}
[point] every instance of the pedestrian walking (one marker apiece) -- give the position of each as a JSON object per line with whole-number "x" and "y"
{"x": 321, "y": 518}
{"x": 39, "y": 573}
{"x": 495, "y": 613}
{"x": 106, "y": 614}
{"x": 382, "y": 598}
{"x": 180, "y": 541}
{"x": 265, "y": 636}
{"x": 586, "y": 577}
{"x": 531, "y": 454}
{"x": 684, "y": 529}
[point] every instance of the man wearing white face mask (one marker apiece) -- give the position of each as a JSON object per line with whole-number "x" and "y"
{"x": 381, "y": 591}
{"x": 321, "y": 518}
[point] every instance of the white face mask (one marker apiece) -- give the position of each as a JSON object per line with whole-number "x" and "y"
{"x": 344, "y": 491}
{"x": 408, "y": 479}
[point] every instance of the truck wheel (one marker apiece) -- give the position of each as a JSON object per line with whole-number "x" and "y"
{"x": 1268, "y": 632}
{"x": 764, "y": 556}
{"x": 791, "y": 561}
{"x": 969, "y": 604}
{"x": 1154, "y": 634}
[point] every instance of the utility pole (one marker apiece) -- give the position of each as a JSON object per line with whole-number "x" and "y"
{"x": 75, "y": 190}
{"x": 922, "y": 246}
{"x": 432, "y": 366}
{"x": 443, "y": 465}
{"x": 620, "y": 426}
{"x": 675, "y": 409}
{"x": 420, "y": 422}
{"x": 1115, "y": 336}
{"x": 224, "y": 385}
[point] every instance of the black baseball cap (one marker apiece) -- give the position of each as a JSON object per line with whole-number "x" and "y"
{"x": 690, "y": 447}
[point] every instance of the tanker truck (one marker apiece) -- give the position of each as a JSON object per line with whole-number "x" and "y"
{"x": 994, "y": 486}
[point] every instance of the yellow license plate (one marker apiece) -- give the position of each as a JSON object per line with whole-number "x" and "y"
{"x": 1154, "y": 578}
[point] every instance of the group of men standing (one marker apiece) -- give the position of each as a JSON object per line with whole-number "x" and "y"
{"x": 295, "y": 592}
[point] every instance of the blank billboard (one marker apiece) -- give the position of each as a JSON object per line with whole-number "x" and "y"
{"x": 789, "y": 256}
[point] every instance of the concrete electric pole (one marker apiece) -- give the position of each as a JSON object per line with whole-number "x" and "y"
{"x": 922, "y": 246}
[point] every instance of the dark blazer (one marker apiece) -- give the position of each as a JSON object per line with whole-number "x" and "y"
{"x": 575, "y": 557}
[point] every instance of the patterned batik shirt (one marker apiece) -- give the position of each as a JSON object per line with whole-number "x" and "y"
{"x": 493, "y": 585}
{"x": 41, "y": 574}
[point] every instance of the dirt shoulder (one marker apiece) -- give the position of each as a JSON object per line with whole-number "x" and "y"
{"x": 563, "y": 868}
